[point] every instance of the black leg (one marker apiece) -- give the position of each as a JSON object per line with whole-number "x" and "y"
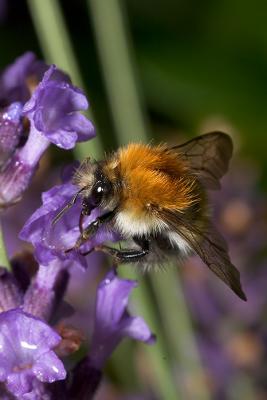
{"x": 67, "y": 207}
{"x": 129, "y": 255}
{"x": 91, "y": 229}
{"x": 86, "y": 210}
{"x": 81, "y": 219}
{"x": 86, "y": 253}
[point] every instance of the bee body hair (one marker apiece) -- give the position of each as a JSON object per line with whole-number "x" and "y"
{"x": 149, "y": 179}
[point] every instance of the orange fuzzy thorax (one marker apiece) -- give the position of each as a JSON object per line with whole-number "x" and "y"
{"x": 153, "y": 176}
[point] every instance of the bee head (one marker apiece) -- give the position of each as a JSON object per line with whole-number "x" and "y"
{"x": 93, "y": 186}
{"x": 97, "y": 192}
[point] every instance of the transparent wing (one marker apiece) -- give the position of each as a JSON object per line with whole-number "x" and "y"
{"x": 208, "y": 156}
{"x": 211, "y": 248}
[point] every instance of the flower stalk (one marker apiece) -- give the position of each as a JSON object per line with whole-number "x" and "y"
{"x": 4, "y": 261}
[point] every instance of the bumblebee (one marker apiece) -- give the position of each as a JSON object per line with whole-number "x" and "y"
{"x": 155, "y": 197}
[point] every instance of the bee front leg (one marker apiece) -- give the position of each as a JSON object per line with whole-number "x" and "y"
{"x": 129, "y": 255}
{"x": 91, "y": 230}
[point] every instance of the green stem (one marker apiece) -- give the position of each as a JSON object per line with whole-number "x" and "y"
{"x": 179, "y": 332}
{"x": 57, "y": 48}
{"x": 113, "y": 47}
{"x": 159, "y": 358}
{"x": 4, "y": 262}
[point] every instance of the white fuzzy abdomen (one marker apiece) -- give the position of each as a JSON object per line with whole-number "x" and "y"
{"x": 129, "y": 226}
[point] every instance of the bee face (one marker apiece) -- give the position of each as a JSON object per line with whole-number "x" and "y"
{"x": 96, "y": 188}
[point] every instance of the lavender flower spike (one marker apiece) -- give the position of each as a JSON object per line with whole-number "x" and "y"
{"x": 112, "y": 320}
{"x": 29, "y": 356}
{"x": 53, "y": 112}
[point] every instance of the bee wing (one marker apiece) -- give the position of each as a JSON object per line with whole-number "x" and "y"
{"x": 211, "y": 248}
{"x": 208, "y": 156}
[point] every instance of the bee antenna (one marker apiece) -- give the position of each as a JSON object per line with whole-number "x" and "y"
{"x": 67, "y": 207}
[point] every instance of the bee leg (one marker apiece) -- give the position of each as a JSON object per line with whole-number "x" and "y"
{"x": 67, "y": 207}
{"x": 86, "y": 210}
{"x": 91, "y": 230}
{"x": 81, "y": 219}
{"x": 86, "y": 253}
{"x": 129, "y": 255}
{"x": 94, "y": 226}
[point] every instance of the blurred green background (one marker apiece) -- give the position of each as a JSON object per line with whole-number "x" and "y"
{"x": 194, "y": 62}
{"x": 169, "y": 70}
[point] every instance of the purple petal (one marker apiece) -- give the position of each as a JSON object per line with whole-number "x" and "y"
{"x": 20, "y": 383}
{"x": 25, "y": 342}
{"x": 54, "y": 111}
{"x": 82, "y": 125}
{"x": 113, "y": 293}
{"x": 51, "y": 241}
{"x": 62, "y": 138}
{"x": 112, "y": 321}
{"x": 39, "y": 391}
{"x": 49, "y": 368}
{"x": 51, "y": 73}
{"x": 53, "y": 200}
{"x": 136, "y": 328}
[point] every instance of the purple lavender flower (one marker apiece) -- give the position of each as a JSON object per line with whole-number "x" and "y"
{"x": 53, "y": 113}
{"x": 52, "y": 241}
{"x": 112, "y": 323}
{"x": 26, "y": 353}
{"x": 20, "y": 313}
{"x": 112, "y": 320}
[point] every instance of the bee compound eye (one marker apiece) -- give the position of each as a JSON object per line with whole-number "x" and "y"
{"x": 102, "y": 188}
{"x": 97, "y": 194}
